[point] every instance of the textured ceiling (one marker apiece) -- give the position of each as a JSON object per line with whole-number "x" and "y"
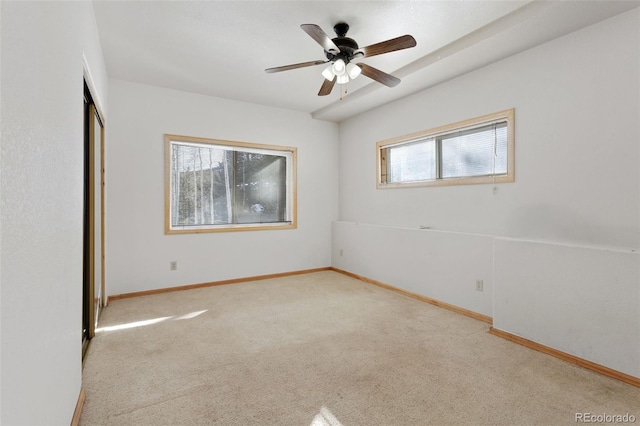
{"x": 221, "y": 48}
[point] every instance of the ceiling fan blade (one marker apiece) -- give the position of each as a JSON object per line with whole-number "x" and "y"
{"x": 294, "y": 66}
{"x": 327, "y": 86}
{"x": 398, "y": 43}
{"x": 321, "y": 37}
{"x": 379, "y": 76}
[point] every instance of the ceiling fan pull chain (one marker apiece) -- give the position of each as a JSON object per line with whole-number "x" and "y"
{"x": 343, "y": 92}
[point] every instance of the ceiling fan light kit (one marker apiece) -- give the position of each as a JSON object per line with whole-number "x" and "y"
{"x": 339, "y": 67}
{"x": 343, "y": 72}
{"x": 328, "y": 73}
{"x": 353, "y": 70}
{"x": 341, "y": 51}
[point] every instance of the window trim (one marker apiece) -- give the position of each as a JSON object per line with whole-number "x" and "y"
{"x": 292, "y": 224}
{"x": 506, "y": 115}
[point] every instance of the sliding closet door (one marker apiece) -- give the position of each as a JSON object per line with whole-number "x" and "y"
{"x": 97, "y": 232}
{"x": 93, "y": 286}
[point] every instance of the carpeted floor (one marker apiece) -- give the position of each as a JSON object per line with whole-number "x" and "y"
{"x": 324, "y": 349}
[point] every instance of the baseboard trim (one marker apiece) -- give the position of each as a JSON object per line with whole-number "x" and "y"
{"x": 75, "y": 420}
{"x": 214, "y": 283}
{"x": 606, "y": 371}
{"x": 444, "y": 305}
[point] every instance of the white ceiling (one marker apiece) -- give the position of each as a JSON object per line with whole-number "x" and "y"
{"x": 221, "y": 48}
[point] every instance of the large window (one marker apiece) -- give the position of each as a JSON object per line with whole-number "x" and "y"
{"x": 216, "y": 185}
{"x": 480, "y": 150}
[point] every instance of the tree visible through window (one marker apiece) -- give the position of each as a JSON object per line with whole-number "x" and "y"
{"x": 220, "y": 185}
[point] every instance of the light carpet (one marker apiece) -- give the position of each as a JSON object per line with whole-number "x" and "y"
{"x": 324, "y": 349}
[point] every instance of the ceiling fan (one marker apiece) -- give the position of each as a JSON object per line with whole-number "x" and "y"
{"x": 341, "y": 51}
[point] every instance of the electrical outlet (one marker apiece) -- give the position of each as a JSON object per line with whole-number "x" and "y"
{"x": 341, "y": 253}
{"x": 174, "y": 265}
{"x": 479, "y": 285}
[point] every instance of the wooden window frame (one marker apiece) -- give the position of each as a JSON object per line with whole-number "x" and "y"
{"x": 291, "y": 192}
{"x": 383, "y": 146}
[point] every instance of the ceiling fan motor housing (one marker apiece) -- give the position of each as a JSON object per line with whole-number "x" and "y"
{"x": 347, "y": 45}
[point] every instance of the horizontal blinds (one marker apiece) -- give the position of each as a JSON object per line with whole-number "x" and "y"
{"x": 415, "y": 161}
{"x": 476, "y": 152}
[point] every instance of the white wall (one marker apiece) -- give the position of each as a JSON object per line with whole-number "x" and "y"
{"x": 41, "y": 184}
{"x": 580, "y": 300}
{"x": 138, "y": 251}
{"x": 441, "y": 265}
{"x": 577, "y": 185}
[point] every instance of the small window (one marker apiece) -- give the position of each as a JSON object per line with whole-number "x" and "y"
{"x": 480, "y": 150}
{"x": 217, "y": 185}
